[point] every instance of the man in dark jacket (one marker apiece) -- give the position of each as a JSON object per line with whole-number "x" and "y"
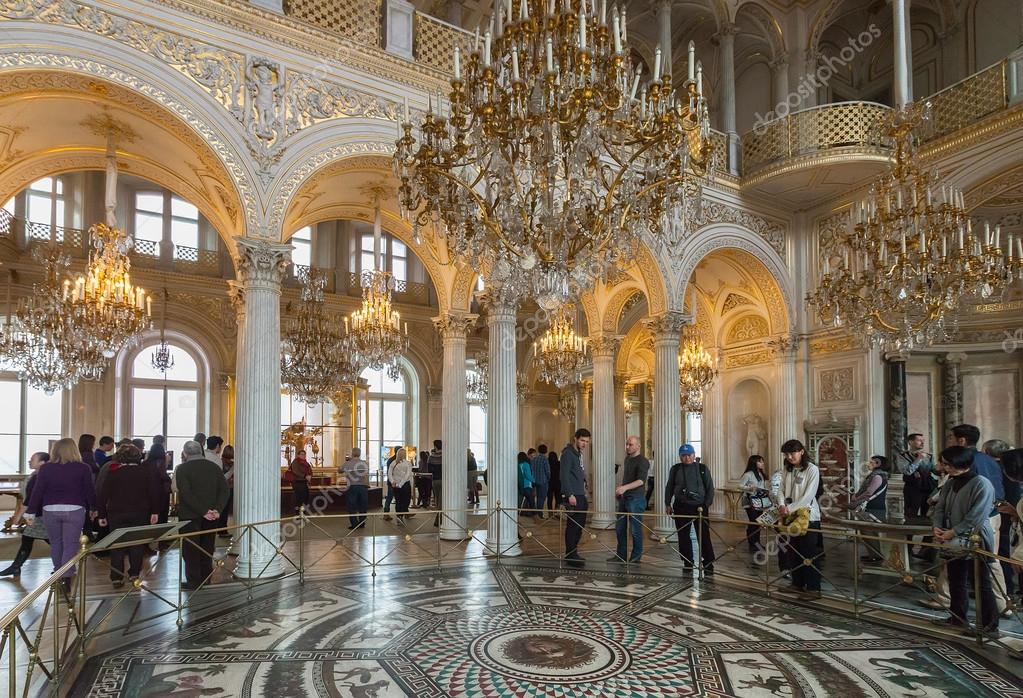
{"x": 541, "y": 468}
{"x": 573, "y": 490}
{"x": 689, "y": 495}
{"x": 202, "y": 494}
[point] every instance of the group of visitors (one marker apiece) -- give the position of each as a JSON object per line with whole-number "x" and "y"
{"x": 93, "y": 489}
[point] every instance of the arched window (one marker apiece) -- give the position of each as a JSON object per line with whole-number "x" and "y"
{"x": 31, "y": 420}
{"x": 302, "y": 249}
{"x": 388, "y": 414}
{"x": 170, "y": 403}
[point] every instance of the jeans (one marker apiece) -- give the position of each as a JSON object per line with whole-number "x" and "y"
{"x": 628, "y": 507}
{"x": 64, "y": 528}
{"x": 388, "y": 499}
{"x": 806, "y": 547}
{"x": 574, "y": 526}
{"x": 685, "y": 517}
{"x": 540, "y": 495}
{"x": 526, "y": 501}
{"x": 357, "y": 501}
{"x": 197, "y": 551}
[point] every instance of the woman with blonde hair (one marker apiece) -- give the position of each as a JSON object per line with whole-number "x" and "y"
{"x": 64, "y": 494}
{"x": 400, "y": 477}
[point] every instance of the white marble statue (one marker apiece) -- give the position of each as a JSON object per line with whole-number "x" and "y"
{"x": 755, "y": 434}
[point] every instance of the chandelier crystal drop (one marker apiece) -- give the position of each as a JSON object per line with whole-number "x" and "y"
{"x": 552, "y": 155}
{"x": 317, "y": 358}
{"x": 696, "y": 371}
{"x": 566, "y": 406}
{"x": 909, "y": 258}
{"x": 559, "y": 354}
{"x": 477, "y": 381}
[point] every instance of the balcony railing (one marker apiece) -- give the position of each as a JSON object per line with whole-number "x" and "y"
{"x": 358, "y": 20}
{"x": 434, "y": 42}
{"x": 968, "y": 101}
{"x": 7, "y": 223}
{"x": 829, "y": 126}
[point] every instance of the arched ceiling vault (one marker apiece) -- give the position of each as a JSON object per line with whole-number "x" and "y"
{"x": 53, "y": 122}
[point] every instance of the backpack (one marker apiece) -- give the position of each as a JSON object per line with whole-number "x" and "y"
{"x": 695, "y": 496}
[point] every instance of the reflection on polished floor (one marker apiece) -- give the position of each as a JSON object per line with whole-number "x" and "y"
{"x": 527, "y": 629}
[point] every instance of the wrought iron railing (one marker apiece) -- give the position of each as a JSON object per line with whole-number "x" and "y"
{"x": 7, "y": 223}
{"x": 54, "y": 626}
{"x": 829, "y": 126}
{"x": 411, "y": 292}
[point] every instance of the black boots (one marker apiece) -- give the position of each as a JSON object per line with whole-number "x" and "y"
{"x": 15, "y": 569}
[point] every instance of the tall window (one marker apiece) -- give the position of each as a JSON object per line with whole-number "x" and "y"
{"x": 477, "y": 426}
{"x": 694, "y": 431}
{"x": 165, "y": 403}
{"x": 31, "y": 420}
{"x": 302, "y": 254}
{"x": 389, "y": 415}
{"x": 394, "y": 255}
{"x": 9, "y": 206}
{"x": 162, "y": 216}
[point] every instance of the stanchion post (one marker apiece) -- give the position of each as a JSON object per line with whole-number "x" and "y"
{"x": 301, "y": 544}
{"x": 977, "y": 615}
{"x": 856, "y": 573}
{"x": 83, "y": 541}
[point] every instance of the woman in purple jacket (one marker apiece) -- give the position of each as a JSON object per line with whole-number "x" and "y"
{"x": 63, "y": 495}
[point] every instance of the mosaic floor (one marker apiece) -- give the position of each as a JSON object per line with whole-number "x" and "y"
{"x": 533, "y": 631}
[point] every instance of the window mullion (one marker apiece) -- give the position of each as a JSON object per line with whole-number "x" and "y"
{"x": 23, "y": 429}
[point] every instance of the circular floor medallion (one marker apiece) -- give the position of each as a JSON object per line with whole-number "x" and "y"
{"x": 542, "y": 654}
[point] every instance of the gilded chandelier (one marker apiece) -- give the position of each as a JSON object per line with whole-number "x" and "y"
{"x": 696, "y": 371}
{"x": 909, "y": 257}
{"x": 566, "y": 406}
{"x": 104, "y": 302}
{"x": 40, "y": 338}
{"x": 547, "y": 162}
{"x": 317, "y": 358}
{"x": 560, "y": 354}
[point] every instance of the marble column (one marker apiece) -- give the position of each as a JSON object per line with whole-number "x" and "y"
{"x": 715, "y": 452}
{"x": 621, "y": 432}
{"x": 257, "y": 491}
{"x": 667, "y": 423}
{"x": 727, "y": 38}
{"x": 583, "y": 415}
{"x": 895, "y": 365}
{"x": 951, "y": 396}
{"x": 604, "y": 349}
{"x": 453, "y": 328}
{"x": 903, "y": 61}
{"x": 502, "y": 423}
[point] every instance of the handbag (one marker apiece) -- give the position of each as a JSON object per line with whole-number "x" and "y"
{"x": 760, "y": 500}
{"x": 289, "y": 475}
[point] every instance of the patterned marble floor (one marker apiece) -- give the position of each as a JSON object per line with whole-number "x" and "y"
{"x": 526, "y": 630}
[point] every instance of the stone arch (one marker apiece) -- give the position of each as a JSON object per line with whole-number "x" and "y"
{"x": 773, "y": 34}
{"x": 764, "y": 264}
{"x": 172, "y": 93}
{"x": 621, "y": 295}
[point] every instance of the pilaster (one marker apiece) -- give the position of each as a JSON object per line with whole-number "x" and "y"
{"x": 951, "y": 392}
{"x": 895, "y": 365}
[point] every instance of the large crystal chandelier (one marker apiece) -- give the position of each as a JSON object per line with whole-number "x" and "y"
{"x": 559, "y": 354}
{"x": 40, "y": 337}
{"x": 477, "y": 381}
{"x": 107, "y": 308}
{"x": 909, "y": 258}
{"x": 317, "y": 357}
{"x": 548, "y": 162}
{"x": 376, "y": 330}
{"x": 566, "y": 406}
{"x": 696, "y": 371}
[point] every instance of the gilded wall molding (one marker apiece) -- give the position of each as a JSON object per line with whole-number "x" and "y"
{"x": 712, "y": 212}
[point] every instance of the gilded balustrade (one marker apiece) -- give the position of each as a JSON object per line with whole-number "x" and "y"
{"x": 968, "y": 101}
{"x": 358, "y": 20}
{"x": 434, "y": 42}
{"x": 841, "y": 125}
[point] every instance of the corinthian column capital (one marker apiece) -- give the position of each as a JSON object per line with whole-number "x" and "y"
{"x": 261, "y": 262}
{"x": 454, "y": 325}
{"x": 668, "y": 326}
{"x": 605, "y": 345}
